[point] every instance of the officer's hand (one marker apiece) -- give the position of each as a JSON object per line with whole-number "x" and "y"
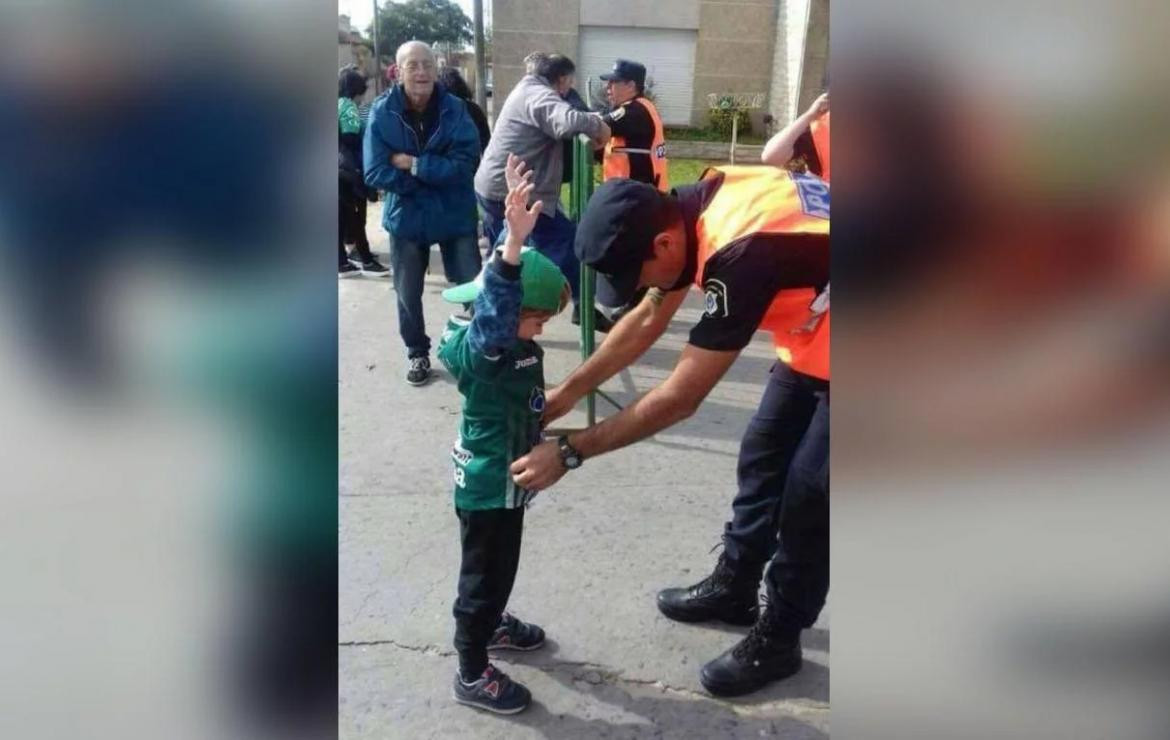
{"x": 557, "y": 403}
{"x": 540, "y": 468}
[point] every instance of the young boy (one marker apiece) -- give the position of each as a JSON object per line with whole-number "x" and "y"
{"x": 499, "y": 371}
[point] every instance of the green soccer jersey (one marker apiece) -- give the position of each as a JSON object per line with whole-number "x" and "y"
{"x": 503, "y": 399}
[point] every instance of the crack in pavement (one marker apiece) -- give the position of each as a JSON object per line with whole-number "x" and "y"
{"x": 421, "y": 649}
{"x": 603, "y": 676}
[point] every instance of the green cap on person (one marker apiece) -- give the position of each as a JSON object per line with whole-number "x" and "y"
{"x": 541, "y": 282}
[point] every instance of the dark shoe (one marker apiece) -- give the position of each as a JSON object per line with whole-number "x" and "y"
{"x": 419, "y": 372}
{"x": 492, "y": 691}
{"x": 347, "y": 269}
{"x": 601, "y": 322}
{"x": 617, "y": 315}
{"x": 374, "y": 268}
{"x": 765, "y": 655}
{"x": 726, "y": 595}
{"x": 512, "y": 634}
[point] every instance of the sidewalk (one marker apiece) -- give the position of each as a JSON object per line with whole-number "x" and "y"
{"x": 597, "y": 548}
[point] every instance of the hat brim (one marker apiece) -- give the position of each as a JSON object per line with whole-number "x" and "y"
{"x": 464, "y": 293}
{"x": 616, "y": 78}
{"x": 615, "y": 291}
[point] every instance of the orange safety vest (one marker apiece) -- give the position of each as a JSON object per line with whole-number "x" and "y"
{"x": 769, "y": 200}
{"x": 617, "y": 159}
{"x": 820, "y": 136}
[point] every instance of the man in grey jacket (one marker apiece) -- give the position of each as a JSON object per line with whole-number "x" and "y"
{"x": 533, "y": 121}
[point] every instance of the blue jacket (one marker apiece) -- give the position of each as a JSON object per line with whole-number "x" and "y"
{"x": 438, "y": 202}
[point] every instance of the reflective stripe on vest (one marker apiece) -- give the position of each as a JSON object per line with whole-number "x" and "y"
{"x": 771, "y": 200}
{"x": 820, "y": 136}
{"x": 617, "y": 161}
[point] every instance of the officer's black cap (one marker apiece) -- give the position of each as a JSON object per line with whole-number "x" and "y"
{"x": 625, "y": 70}
{"x": 616, "y": 233}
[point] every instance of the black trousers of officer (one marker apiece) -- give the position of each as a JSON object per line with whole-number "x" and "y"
{"x": 491, "y": 555}
{"x": 781, "y": 511}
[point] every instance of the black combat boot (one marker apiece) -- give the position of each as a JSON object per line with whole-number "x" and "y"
{"x": 729, "y": 594}
{"x": 768, "y": 653}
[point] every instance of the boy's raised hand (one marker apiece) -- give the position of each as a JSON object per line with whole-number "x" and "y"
{"x": 521, "y": 220}
{"x": 514, "y": 172}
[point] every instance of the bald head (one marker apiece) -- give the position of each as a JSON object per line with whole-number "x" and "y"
{"x": 413, "y": 50}
{"x": 416, "y": 69}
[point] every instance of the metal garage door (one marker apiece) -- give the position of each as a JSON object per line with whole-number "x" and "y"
{"x": 669, "y": 56}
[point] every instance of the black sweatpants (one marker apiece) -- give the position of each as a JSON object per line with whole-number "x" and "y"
{"x": 351, "y": 223}
{"x": 491, "y": 554}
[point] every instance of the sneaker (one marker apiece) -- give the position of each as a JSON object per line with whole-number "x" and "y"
{"x": 512, "y": 634}
{"x": 419, "y": 372}
{"x": 601, "y": 322}
{"x": 617, "y": 315}
{"x": 765, "y": 655}
{"x": 729, "y": 594}
{"x": 492, "y": 691}
{"x": 374, "y": 268}
{"x": 346, "y": 269}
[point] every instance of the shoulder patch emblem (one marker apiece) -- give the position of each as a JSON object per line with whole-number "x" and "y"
{"x": 715, "y": 299}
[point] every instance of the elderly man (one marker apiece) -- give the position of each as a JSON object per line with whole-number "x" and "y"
{"x": 422, "y": 147}
{"x": 531, "y": 124}
{"x": 756, "y": 241}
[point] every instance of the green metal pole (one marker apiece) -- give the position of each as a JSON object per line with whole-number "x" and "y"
{"x": 580, "y": 191}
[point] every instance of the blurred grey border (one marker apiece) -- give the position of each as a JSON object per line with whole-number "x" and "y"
{"x": 168, "y": 372}
{"x": 1000, "y": 424}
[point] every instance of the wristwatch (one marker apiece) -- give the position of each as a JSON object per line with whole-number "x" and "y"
{"x": 570, "y": 458}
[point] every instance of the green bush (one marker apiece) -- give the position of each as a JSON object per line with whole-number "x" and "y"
{"x": 724, "y": 113}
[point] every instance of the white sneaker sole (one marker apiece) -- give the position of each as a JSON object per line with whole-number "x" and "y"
{"x": 424, "y": 381}
{"x": 486, "y": 707}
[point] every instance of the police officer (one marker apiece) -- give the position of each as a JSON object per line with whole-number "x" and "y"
{"x": 637, "y": 149}
{"x": 755, "y": 240}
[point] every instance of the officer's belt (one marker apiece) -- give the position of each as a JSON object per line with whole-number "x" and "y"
{"x": 627, "y": 150}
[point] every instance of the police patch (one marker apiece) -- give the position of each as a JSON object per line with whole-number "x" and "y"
{"x": 536, "y": 401}
{"x": 715, "y": 299}
{"x": 813, "y": 193}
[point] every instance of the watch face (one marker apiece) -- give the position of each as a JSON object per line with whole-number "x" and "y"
{"x": 570, "y": 457}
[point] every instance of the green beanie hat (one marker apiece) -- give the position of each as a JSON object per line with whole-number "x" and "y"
{"x": 541, "y": 282}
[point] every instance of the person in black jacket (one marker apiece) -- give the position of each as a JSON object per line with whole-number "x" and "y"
{"x": 450, "y": 78}
{"x": 352, "y": 192}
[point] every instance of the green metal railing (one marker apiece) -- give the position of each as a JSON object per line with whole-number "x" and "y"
{"x": 580, "y": 190}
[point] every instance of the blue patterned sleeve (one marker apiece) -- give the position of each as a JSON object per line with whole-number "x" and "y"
{"x": 497, "y": 310}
